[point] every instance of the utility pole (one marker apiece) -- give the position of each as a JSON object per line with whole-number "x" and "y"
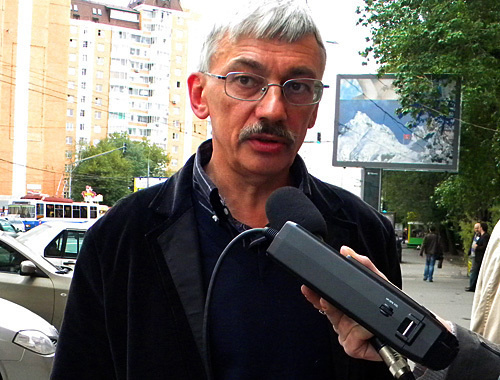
{"x": 77, "y": 162}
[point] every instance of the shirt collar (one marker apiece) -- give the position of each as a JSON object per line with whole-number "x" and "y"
{"x": 207, "y": 193}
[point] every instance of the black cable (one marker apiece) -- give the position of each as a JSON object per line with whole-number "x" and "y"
{"x": 211, "y": 284}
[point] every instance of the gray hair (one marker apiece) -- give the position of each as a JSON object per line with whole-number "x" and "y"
{"x": 287, "y": 20}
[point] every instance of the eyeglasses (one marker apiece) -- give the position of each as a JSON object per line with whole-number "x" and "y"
{"x": 252, "y": 87}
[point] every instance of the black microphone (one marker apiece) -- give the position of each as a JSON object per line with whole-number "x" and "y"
{"x": 290, "y": 204}
{"x": 393, "y": 317}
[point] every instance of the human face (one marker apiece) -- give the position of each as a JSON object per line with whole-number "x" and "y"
{"x": 260, "y": 153}
{"x": 477, "y": 228}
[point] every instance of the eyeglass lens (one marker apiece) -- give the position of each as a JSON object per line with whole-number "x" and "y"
{"x": 247, "y": 86}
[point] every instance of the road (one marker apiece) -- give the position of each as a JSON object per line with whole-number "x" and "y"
{"x": 446, "y": 295}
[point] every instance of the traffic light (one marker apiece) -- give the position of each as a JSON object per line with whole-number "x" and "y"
{"x": 124, "y": 147}
{"x": 318, "y": 137}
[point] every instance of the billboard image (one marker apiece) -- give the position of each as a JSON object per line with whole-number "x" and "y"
{"x": 370, "y": 134}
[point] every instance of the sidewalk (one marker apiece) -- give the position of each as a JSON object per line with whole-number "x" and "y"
{"x": 446, "y": 296}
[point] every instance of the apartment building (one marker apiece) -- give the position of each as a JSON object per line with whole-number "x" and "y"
{"x": 74, "y": 71}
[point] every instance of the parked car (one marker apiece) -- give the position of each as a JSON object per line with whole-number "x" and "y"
{"x": 8, "y": 228}
{"x": 27, "y": 343}
{"x": 16, "y": 222}
{"x": 58, "y": 242}
{"x": 29, "y": 280}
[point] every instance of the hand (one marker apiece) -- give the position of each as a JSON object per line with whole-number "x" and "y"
{"x": 352, "y": 336}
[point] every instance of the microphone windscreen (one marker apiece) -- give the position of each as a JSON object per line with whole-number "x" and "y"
{"x": 290, "y": 204}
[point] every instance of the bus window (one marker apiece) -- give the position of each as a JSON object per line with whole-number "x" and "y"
{"x": 49, "y": 211}
{"x": 83, "y": 212}
{"x": 39, "y": 211}
{"x": 67, "y": 211}
{"x": 59, "y": 211}
{"x": 93, "y": 212}
{"x": 76, "y": 211}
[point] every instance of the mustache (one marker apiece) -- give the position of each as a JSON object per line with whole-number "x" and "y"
{"x": 274, "y": 129}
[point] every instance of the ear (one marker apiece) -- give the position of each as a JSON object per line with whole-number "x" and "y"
{"x": 198, "y": 102}
{"x": 314, "y": 115}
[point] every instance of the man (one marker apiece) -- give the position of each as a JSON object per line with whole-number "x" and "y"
{"x": 479, "y": 250}
{"x": 431, "y": 246}
{"x": 472, "y": 255}
{"x": 136, "y": 309}
{"x": 477, "y": 358}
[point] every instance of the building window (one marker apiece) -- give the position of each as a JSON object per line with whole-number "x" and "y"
{"x": 178, "y": 84}
{"x": 68, "y": 154}
{"x": 69, "y": 112}
{"x": 69, "y": 126}
{"x": 99, "y": 12}
{"x": 71, "y": 85}
{"x": 83, "y": 85}
{"x": 97, "y": 129}
{"x": 75, "y": 7}
{"x": 83, "y": 99}
{"x": 98, "y": 101}
{"x": 98, "y": 87}
{"x": 100, "y": 60}
{"x": 72, "y": 57}
{"x": 84, "y": 71}
{"x": 82, "y": 113}
{"x": 100, "y": 47}
{"x": 175, "y": 136}
{"x": 99, "y": 74}
{"x": 72, "y": 43}
{"x": 85, "y": 44}
{"x": 82, "y": 127}
{"x": 71, "y": 71}
{"x": 71, "y": 99}
{"x": 97, "y": 115}
{"x": 84, "y": 58}
{"x": 69, "y": 140}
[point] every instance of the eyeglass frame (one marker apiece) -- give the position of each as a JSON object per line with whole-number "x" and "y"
{"x": 224, "y": 77}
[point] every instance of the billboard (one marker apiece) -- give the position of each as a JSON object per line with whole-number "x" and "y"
{"x": 370, "y": 134}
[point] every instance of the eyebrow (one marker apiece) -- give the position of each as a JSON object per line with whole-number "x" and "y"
{"x": 295, "y": 72}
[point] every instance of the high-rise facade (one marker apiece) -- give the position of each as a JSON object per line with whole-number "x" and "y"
{"x": 103, "y": 69}
{"x": 33, "y": 81}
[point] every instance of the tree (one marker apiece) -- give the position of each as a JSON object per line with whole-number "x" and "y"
{"x": 112, "y": 174}
{"x": 420, "y": 40}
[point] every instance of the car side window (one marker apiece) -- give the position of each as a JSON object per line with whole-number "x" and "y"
{"x": 73, "y": 244}
{"x": 10, "y": 259}
{"x": 66, "y": 245}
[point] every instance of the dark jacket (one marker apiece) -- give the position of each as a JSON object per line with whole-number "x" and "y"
{"x": 481, "y": 247}
{"x": 135, "y": 309}
{"x": 477, "y": 358}
{"x": 431, "y": 245}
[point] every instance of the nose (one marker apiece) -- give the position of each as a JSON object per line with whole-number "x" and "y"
{"x": 273, "y": 105}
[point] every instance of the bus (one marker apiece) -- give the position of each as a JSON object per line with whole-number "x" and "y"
{"x": 416, "y": 234}
{"x": 36, "y": 210}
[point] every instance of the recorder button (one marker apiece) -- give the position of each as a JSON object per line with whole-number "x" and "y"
{"x": 386, "y": 310}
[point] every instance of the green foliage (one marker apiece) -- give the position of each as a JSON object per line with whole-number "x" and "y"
{"x": 419, "y": 40}
{"x": 409, "y": 194}
{"x": 112, "y": 174}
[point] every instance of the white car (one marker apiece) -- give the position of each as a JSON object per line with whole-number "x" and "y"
{"x": 27, "y": 343}
{"x": 29, "y": 280}
{"x": 58, "y": 242}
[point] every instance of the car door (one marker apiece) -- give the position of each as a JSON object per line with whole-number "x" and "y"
{"x": 36, "y": 293}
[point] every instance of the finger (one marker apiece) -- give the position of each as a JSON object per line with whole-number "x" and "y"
{"x": 311, "y": 296}
{"x": 346, "y": 251}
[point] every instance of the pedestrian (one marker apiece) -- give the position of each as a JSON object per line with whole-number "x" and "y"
{"x": 136, "y": 308}
{"x": 485, "y": 319}
{"x": 479, "y": 249}
{"x": 475, "y": 237}
{"x": 477, "y": 357}
{"x": 431, "y": 246}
